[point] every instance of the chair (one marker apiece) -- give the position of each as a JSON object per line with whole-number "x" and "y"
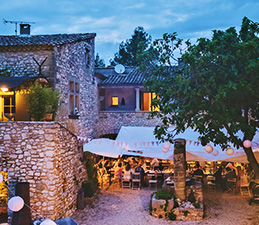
{"x": 125, "y": 183}
{"x": 153, "y": 182}
{"x": 244, "y": 186}
{"x": 231, "y": 185}
{"x": 211, "y": 183}
{"x": 136, "y": 181}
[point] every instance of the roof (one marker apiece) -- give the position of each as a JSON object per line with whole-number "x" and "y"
{"x": 50, "y": 40}
{"x": 131, "y": 76}
{"x": 13, "y": 82}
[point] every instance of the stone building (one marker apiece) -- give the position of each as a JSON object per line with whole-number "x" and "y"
{"x": 48, "y": 155}
{"x": 67, "y": 61}
{"x": 124, "y": 101}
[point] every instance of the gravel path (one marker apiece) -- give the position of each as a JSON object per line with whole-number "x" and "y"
{"x": 117, "y": 206}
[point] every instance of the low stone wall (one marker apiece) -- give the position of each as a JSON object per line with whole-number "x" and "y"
{"x": 111, "y": 122}
{"x": 46, "y": 155}
{"x": 186, "y": 210}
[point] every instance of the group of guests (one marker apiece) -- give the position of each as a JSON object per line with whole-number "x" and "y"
{"x": 223, "y": 174}
{"x": 123, "y": 168}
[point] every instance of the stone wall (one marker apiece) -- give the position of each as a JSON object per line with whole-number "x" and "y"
{"x": 46, "y": 155}
{"x": 76, "y": 62}
{"x": 111, "y": 122}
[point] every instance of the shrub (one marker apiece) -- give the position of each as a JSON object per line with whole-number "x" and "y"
{"x": 197, "y": 205}
{"x": 171, "y": 215}
{"x": 42, "y": 100}
{"x": 88, "y": 188}
{"x": 164, "y": 194}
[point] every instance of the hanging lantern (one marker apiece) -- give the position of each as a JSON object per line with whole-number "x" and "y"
{"x": 166, "y": 146}
{"x": 208, "y": 148}
{"x": 215, "y": 153}
{"x": 247, "y": 143}
{"x": 1, "y": 178}
{"x": 230, "y": 151}
{"x": 48, "y": 222}
{"x": 16, "y": 203}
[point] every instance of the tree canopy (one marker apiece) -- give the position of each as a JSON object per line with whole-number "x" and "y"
{"x": 98, "y": 62}
{"x": 129, "y": 50}
{"x": 214, "y": 89}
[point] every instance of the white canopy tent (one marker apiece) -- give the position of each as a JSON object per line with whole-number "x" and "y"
{"x": 141, "y": 141}
{"x": 104, "y": 147}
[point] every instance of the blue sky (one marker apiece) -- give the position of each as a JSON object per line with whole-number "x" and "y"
{"x": 115, "y": 20}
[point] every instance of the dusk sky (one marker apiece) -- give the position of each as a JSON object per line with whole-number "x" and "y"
{"x": 115, "y": 20}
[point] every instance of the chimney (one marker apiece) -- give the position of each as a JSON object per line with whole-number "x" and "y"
{"x": 25, "y": 29}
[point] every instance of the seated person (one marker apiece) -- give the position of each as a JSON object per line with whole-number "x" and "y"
{"x": 127, "y": 172}
{"x": 230, "y": 174}
{"x": 140, "y": 170}
{"x": 118, "y": 172}
{"x": 218, "y": 176}
{"x": 198, "y": 170}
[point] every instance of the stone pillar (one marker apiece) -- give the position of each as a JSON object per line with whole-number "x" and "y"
{"x": 180, "y": 168}
{"x": 137, "y": 100}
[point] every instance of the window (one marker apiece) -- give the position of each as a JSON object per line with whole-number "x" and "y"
{"x": 73, "y": 98}
{"x": 115, "y": 101}
{"x": 9, "y": 104}
{"x": 146, "y": 101}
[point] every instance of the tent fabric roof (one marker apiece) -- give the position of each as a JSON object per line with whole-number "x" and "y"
{"x": 137, "y": 136}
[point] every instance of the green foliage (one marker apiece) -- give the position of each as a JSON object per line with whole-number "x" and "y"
{"x": 161, "y": 206}
{"x": 166, "y": 205}
{"x": 91, "y": 170}
{"x": 98, "y": 62}
{"x": 171, "y": 216}
{"x": 160, "y": 216}
{"x": 164, "y": 194}
{"x": 88, "y": 187}
{"x": 214, "y": 88}
{"x": 42, "y": 100}
{"x": 185, "y": 213}
{"x": 129, "y": 50}
{"x": 197, "y": 205}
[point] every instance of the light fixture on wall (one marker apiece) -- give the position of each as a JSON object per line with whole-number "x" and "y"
{"x": 4, "y": 89}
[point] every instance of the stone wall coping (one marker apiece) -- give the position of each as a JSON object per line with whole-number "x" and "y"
{"x": 124, "y": 111}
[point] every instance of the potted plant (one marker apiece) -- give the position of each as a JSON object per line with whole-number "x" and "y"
{"x": 42, "y": 100}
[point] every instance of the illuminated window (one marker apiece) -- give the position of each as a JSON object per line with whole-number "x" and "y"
{"x": 115, "y": 101}
{"x": 146, "y": 101}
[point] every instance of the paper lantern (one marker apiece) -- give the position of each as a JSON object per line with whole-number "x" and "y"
{"x": 166, "y": 146}
{"x": 215, "y": 153}
{"x": 48, "y": 222}
{"x": 208, "y": 148}
{"x": 1, "y": 178}
{"x": 16, "y": 203}
{"x": 247, "y": 143}
{"x": 230, "y": 151}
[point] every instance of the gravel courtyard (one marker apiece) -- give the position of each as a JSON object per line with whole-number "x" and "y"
{"x": 116, "y": 206}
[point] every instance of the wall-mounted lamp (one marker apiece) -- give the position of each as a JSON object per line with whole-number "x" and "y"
{"x": 4, "y": 89}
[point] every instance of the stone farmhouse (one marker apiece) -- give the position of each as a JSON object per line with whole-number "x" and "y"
{"x": 48, "y": 155}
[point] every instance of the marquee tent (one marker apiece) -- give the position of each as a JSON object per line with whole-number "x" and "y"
{"x": 104, "y": 147}
{"x": 141, "y": 141}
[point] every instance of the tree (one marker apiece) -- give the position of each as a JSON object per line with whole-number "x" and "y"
{"x": 98, "y": 62}
{"x": 128, "y": 51}
{"x": 214, "y": 89}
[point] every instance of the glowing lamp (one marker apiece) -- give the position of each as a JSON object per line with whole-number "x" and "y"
{"x": 16, "y": 203}
{"x": 166, "y": 146}
{"x": 215, "y": 153}
{"x": 247, "y": 143}
{"x": 4, "y": 89}
{"x": 230, "y": 151}
{"x": 208, "y": 148}
{"x": 48, "y": 222}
